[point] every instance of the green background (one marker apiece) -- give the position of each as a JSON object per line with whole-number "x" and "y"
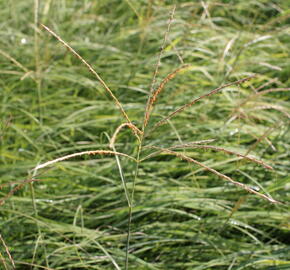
{"x": 75, "y": 216}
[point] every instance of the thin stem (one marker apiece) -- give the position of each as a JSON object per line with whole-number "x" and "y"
{"x": 157, "y": 68}
{"x": 19, "y": 185}
{"x": 122, "y": 176}
{"x": 263, "y": 93}
{"x": 145, "y": 121}
{"x": 90, "y": 68}
{"x": 7, "y": 251}
{"x": 182, "y": 108}
{"x": 37, "y": 58}
{"x": 14, "y": 61}
{"x": 132, "y": 204}
{"x": 131, "y": 126}
{"x": 216, "y": 148}
{"x": 36, "y": 216}
{"x": 264, "y": 135}
{"x": 222, "y": 176}
{"x": 96, "y": 152}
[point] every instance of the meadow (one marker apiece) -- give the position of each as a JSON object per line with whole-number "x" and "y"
{"x": 144, "y": 135}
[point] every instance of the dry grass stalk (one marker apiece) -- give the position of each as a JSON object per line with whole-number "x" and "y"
{"x": 95, "y": 152}
{"x": 35, "y": 266}
{"x": 263, "y": 93}
{"x": 158, "y": 65}
{"x": 7, "y": 251}
{"x": 264, "y": 136}
{"x": 135, "y": 130}
{"x": 90, "y": 68}
{"x": 13, "y": 60}
{"x": 18, "y": 182}
{"x": 182, "y": 108}
{"x": 250, "y": 158}
{"x": 5, "y": 125}
{"x": 19, "y": 185}
{"x": 272, "y": 107}
{"x": 3, "y": 261}
{"x": 142, "y": 137}
{"x": 173, "y": 147}
{"x": 200, "y": 142}
{"x": 275, "y": 80}
{"x": 223, "y": 176}
{"x": 285, "y": 89}
{"x": 153, "y": 99}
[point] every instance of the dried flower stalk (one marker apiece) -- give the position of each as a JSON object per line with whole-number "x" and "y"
{"x": 161, "y": 86}
{"x": 135, "y": 130}
{"x": 158, "y": 65}
{"x": 182, "y": 108}
{"x": 7, "y": 251}
{"x": 96, "y": 152}
{"x": 250, "y": 158}
{"x": 223, "y": 176}
{"x": 90, "y": 68}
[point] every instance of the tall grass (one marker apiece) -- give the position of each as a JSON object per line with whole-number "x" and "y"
{"x": 151, "y": 196}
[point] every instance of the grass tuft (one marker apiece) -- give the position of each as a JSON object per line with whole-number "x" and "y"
{"x": 135, "y": 204}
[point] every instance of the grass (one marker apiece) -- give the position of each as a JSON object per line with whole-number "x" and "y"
{"x": 73, "y": 214}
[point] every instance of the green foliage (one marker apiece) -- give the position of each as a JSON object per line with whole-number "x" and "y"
{"x": 75, "y": 215}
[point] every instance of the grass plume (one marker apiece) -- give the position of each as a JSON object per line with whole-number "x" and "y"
{"x": 90, "y": 153}
{"x": 90, "y": 68}
{"x": 185, "y": 106}
{"x": 161, "y": 86}
{"x": 223, "y": 176}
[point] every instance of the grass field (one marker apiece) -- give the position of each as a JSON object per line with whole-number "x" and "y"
{"x": 171, "y": 203}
